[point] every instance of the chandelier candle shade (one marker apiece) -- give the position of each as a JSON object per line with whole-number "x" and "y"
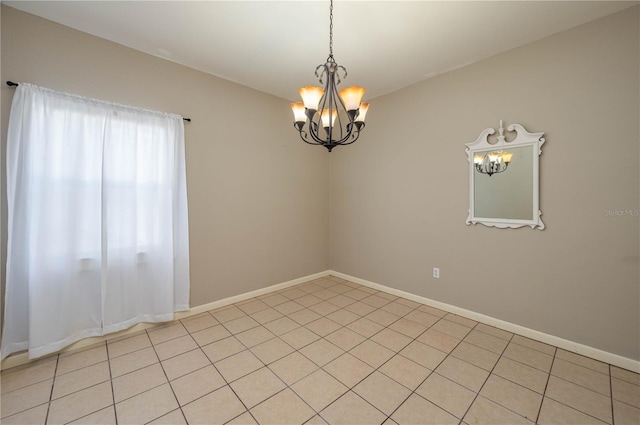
{"x": 326, "y": 116}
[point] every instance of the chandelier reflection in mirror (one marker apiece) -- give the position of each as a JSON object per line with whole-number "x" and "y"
{"x": 326, "y": 116}
{"x": 493, "y": 162}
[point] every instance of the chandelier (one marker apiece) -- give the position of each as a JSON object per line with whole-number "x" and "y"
{"x": 326, "y": 116}
{"x": 493, "y": 162}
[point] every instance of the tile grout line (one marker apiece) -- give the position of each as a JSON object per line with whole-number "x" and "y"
{"x": 113, "y": 395}
{"x": 487, "y": 378}
{"x": 228, "y": 384}
{"x": 546, "y": 385}
{"x": 287, "y": 386}
{"x": 167, "y": 377}
{"x": 582, "y": 386}
{"x": 385, "y": 327}
{"x": 528, "y": 365}
{"x": 519, "y": 384}
{"x": 398, "y": 353}
{"x": 85, "y": 388}
{"x": 53, "y": 381}
{"x": 343, "y": 351}
{"x": 246, "y": 348}
{"x": 157, "y": 386}
{"x": 613, "y": 420}
{"x": 323, "y": 337}
{"x": 574, "y": 408}
{"x": 357, "y": 395}
{"x": 346, "y": 326}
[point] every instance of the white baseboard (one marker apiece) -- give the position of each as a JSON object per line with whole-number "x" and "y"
{"x": 594, "y": 353}
{"x": 248, "y": 295}
{"x": 23, "y": 358}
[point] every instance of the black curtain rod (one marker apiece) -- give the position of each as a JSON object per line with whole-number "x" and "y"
{"x": 12, "y": 84}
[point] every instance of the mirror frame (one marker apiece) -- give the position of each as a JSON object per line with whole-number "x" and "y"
{"x": 523, "y": 138}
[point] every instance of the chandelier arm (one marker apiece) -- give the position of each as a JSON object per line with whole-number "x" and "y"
{"x": 344, "y": 75}
{"x": 334, "y": 97}
{"x": 354, "y": 135}
{"x": 320, "y": 75}
{"x": 313, "y": 132}
{"x": 335, "y": 87}
{"x": 344, "y": 140}
{"x": 346, "y": 131}
{"x": 304, "y": 139}
{"x": 350, "y": 130}
{"x": 303, "y": 134}
{"x": 330, "y": 100}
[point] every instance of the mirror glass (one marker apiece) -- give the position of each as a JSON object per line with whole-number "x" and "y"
{"x": 504, "y": 179}
{"x": 508, "y": 194}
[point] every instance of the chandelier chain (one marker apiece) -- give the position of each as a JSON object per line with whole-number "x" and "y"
{"x": 331, "y": 29}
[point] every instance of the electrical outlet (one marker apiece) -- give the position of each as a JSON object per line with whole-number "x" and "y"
{"x": 436, "y": 273}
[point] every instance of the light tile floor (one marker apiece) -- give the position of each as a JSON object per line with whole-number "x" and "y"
{"x": 327, "y": 351}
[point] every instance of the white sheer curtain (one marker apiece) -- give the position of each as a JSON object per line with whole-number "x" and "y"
{"x": 97, "y": 220}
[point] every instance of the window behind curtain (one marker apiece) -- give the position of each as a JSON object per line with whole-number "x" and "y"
{"x": 98, "y": 231}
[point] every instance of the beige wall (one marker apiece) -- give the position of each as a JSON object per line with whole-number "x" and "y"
{"x": 257, "y": 215}
{"x": 399, "y": 197}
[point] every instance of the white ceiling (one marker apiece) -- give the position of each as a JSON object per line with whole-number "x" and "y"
{"x": 275, "y": 46}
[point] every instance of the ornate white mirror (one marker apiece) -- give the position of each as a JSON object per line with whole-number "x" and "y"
{"x": 503, "y": 179}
